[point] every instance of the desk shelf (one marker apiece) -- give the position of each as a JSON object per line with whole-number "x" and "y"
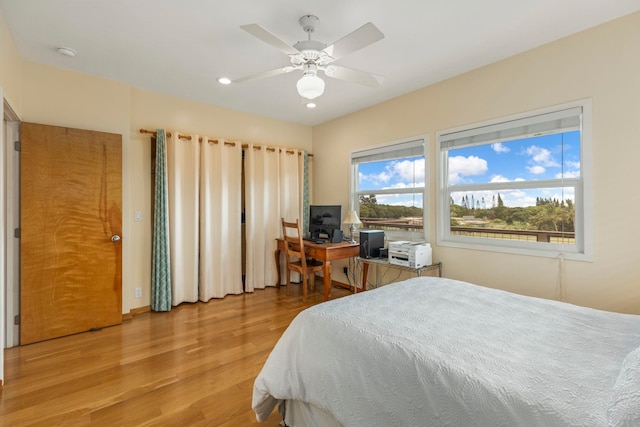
{"x": 382, "y": 262}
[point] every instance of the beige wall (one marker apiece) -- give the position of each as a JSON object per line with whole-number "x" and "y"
{"x": 10, "y": 64}
{"x": 602, "y": 63}
{"x": 59, "y": 97}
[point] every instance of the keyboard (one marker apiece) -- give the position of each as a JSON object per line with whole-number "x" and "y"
{"x": 309, "y": 239}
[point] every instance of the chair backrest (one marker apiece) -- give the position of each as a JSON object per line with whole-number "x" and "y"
{"x": 294, "y": 247}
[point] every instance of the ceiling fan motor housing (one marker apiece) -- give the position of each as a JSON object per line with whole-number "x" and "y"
{"x": 311, "y": 51}
{"x": 309, "y": 23}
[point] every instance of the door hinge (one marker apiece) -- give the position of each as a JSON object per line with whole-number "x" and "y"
{"x": 16, "y": 233}
{"x": 16, "y": 320}
{"x": 16, "y": 145}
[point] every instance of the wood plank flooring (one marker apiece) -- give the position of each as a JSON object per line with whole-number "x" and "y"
{"x": 193, "y": 366}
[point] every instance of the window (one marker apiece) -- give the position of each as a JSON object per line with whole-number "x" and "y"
{"x": 388, "y": 188}
{"x": 520, "y": 184}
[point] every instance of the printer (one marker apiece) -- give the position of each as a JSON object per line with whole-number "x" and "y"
{"x": 410, "y": 254}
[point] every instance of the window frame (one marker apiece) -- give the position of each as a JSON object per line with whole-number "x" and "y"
{"x": 582, "y": 250}
{"x": 380, "y": 151}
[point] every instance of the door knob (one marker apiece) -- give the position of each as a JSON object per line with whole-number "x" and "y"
{"x": 115, "y": 238}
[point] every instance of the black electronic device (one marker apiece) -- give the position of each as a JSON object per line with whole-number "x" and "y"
{"x": 323, "y": 219}
{"x": 371, "y": 241}
{"x": 336, "y": 236}
{"x": 384, "y": 252}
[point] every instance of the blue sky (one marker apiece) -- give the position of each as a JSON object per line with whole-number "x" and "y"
{"x": 406, "y": 173}
{"x": 536, "y": 158}
{"x": 541, "y": 157}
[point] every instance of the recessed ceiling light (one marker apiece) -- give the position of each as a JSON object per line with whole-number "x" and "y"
{"x": 66, "y": 51}
{"x": 224, "y": 81}
{"x": 311, "y": 105}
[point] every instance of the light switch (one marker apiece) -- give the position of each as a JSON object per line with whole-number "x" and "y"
{"x": 138, "y": 216}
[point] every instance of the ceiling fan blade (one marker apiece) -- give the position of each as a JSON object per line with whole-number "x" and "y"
{"x": 354, "y": 76}
{"x": 362, "y": 37}
{"x": 264, "y": 35}
{"x": 265, "y": 74}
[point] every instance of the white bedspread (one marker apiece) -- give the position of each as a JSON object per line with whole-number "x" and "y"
{"x": 439, "y": 352}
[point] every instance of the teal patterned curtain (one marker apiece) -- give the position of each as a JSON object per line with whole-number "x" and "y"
{"x": 160, "y": 267}
{"x": 305, "y": 191}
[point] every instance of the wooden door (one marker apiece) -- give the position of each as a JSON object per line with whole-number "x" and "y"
{"x": 71, "y": 222}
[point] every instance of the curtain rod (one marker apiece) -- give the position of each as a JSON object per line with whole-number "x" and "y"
{"x": 215, "y": 141}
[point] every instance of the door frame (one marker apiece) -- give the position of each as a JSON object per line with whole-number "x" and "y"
{"x": 11, "y": 245}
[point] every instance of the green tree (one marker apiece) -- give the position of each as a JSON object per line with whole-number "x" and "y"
{"x": 368, "y": 206}
{"x": 368, "y": 200}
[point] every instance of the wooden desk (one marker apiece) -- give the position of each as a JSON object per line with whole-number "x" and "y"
{"x": 325, "y": 252}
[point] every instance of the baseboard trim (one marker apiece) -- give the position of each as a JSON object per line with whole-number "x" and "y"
{"x": 136, "y": 311}
{"x": 341, "y": 285}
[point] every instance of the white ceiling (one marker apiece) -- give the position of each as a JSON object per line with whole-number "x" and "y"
{"x": 181, "y": 47}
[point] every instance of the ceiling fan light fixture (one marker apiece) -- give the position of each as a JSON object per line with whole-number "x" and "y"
{"x": 310, "y": 86}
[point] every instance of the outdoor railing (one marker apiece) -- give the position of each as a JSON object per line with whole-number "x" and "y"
{"x": 567, "y": 237}
{"x": 391, "y": 224}
{"x": 490, "y": 233}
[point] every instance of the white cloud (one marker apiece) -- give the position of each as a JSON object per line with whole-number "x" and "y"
{"x": 542, "y": 156}
{"x": 499, "y": 178}
{"x": 537, "y": 169}
{"x": 461, "y": 167}
{"x": 404, "y": 185}
{"x": 568, "y": 174}
{"x": 397, "y": 174}
{"x": 573, "y": 165}
{"x": 553, "y": 193}
{"x": 567, "y": 194}
{"x": 378, "y": 179}
{"x": 510, "y": 198}
{"x": 408, "y": 170}
{"x": 499, "y": 147}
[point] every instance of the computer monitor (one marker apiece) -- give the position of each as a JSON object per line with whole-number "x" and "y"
{"x": 323, "y": 219}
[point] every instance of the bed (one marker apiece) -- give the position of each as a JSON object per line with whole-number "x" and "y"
{"x": 439, "y": 352}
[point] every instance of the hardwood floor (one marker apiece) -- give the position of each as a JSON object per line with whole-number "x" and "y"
{"x": 193, "y": 366}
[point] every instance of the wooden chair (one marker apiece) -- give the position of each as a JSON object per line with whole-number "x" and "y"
{"x": 295, "y": 256}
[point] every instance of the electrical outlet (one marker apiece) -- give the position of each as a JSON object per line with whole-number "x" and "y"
{"x": 138, "y": 293}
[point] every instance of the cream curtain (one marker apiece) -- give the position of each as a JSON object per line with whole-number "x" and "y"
{"x": 183, "y": 176}
{"x": 290, "y": 197}
{"x": 220, "y": 219}
{"x": 204, "y": 186}
{"x": 290, "y": 194}
{"x": 273, "y": 191}
{"x": 204, "y": 192}
{"x": 262, "y": 213}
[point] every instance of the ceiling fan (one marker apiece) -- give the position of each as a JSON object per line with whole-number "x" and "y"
{"x": 312, "y": 56}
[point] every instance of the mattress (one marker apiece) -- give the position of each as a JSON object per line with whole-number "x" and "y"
{"x": 439, "y": 352}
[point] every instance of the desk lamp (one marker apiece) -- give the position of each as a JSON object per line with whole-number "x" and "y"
{"x": 352, "y": 221}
